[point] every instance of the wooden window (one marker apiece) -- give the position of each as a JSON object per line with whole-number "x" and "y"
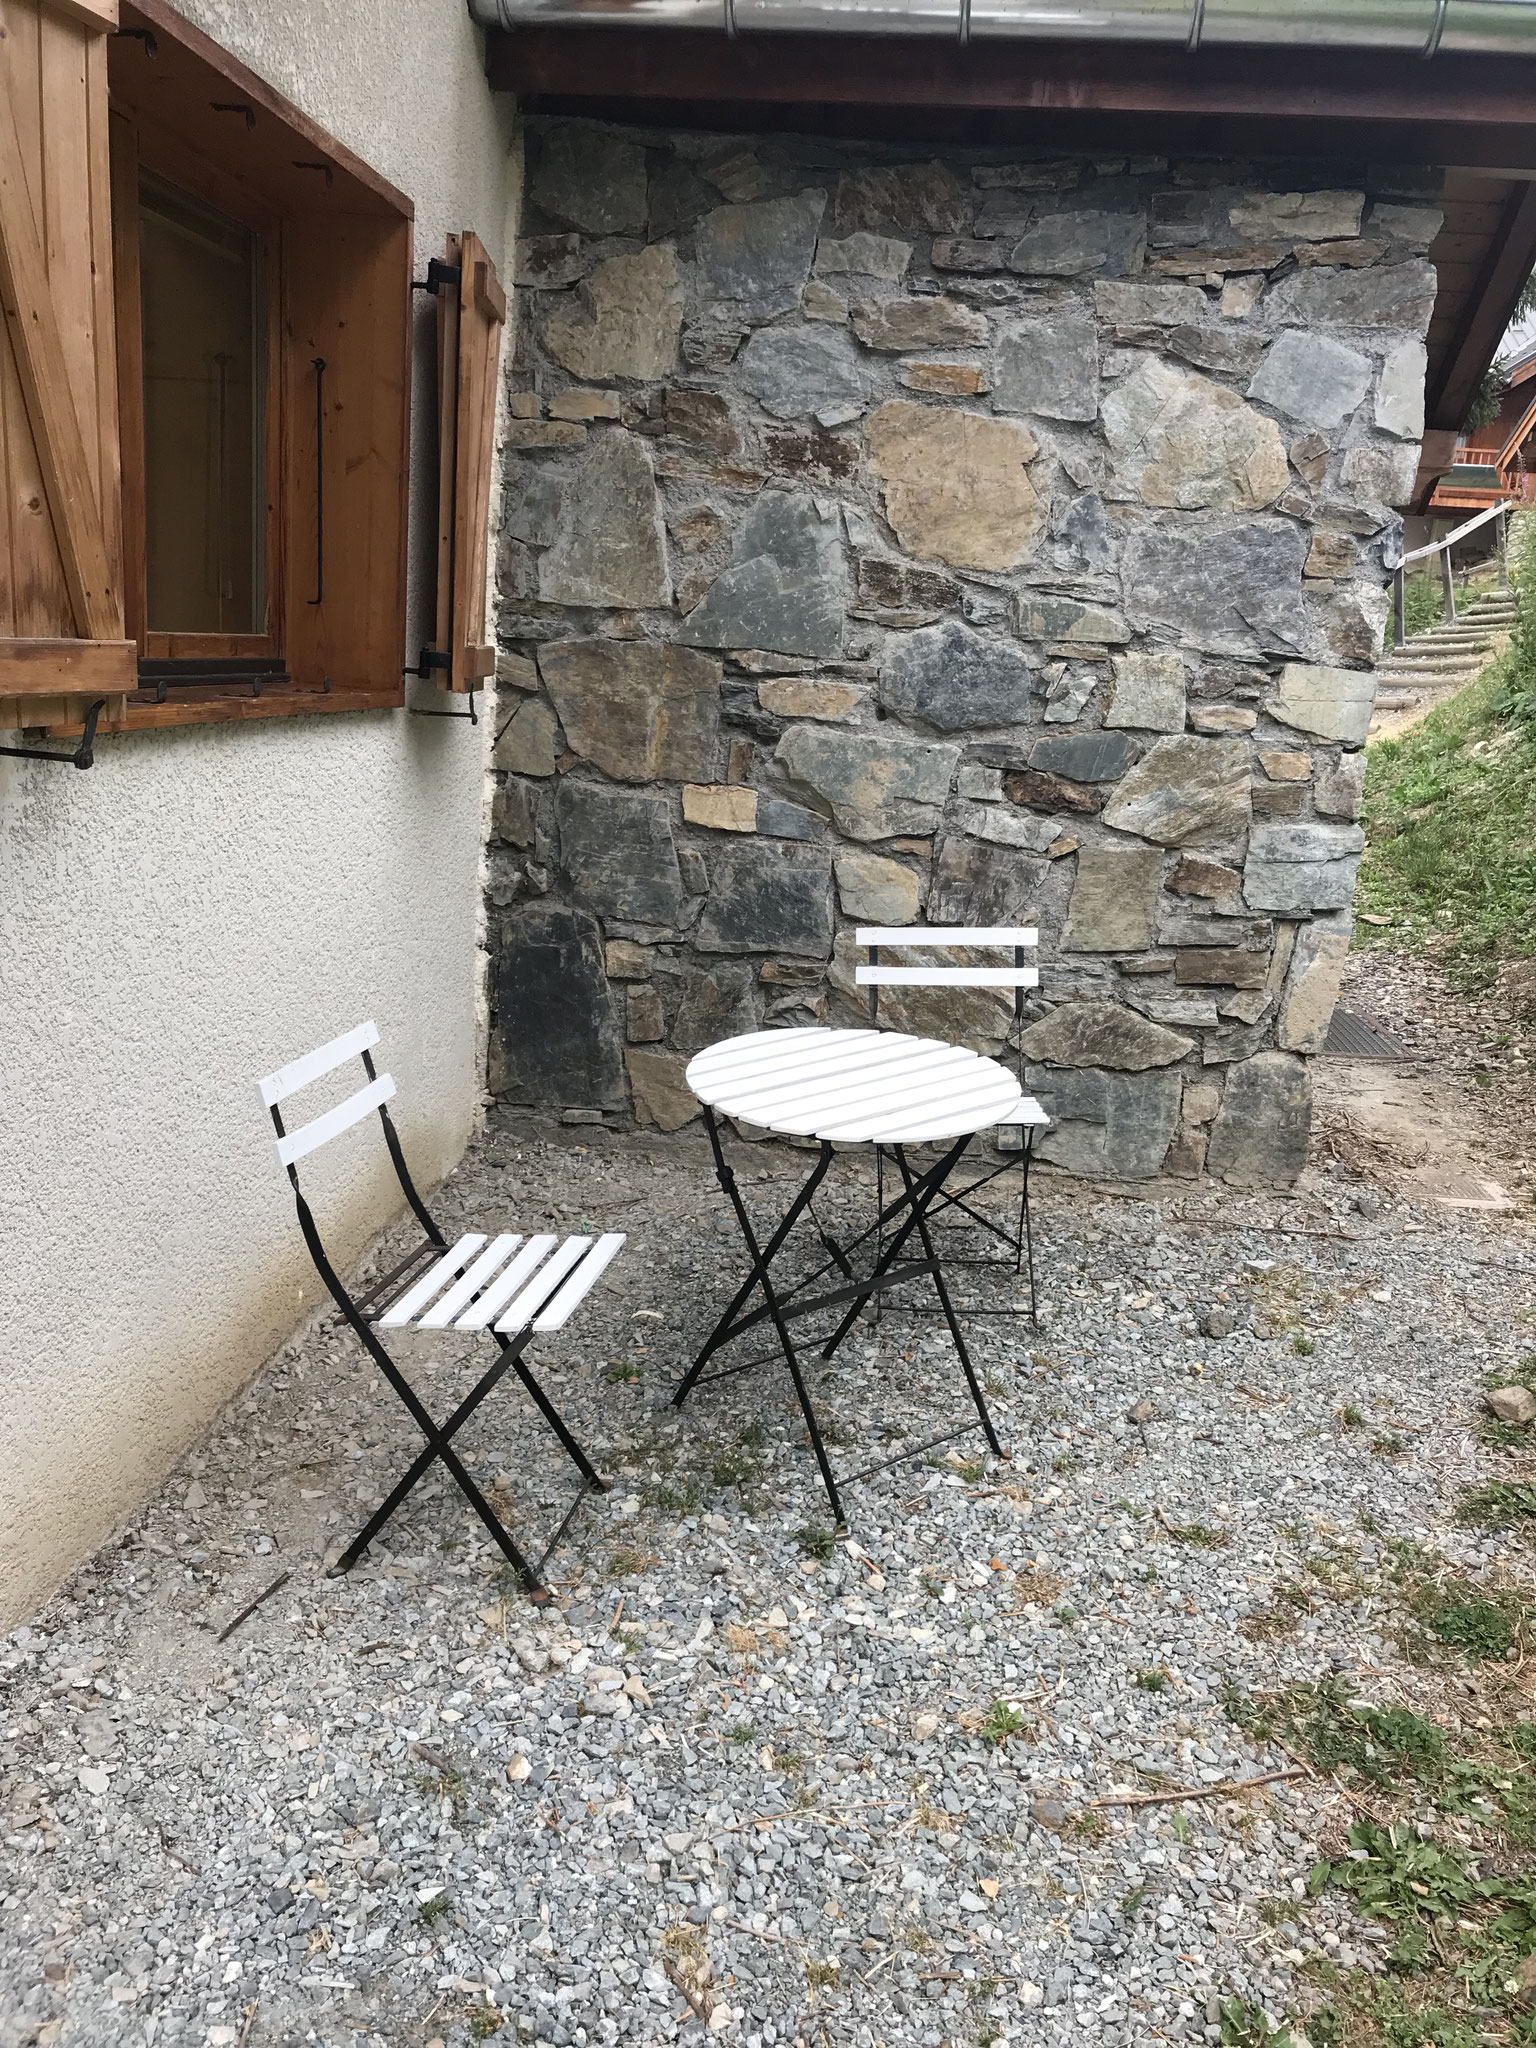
{"x": 471, "y": 314}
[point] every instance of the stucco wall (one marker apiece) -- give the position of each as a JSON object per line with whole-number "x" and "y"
{"x": 206, "y": 903}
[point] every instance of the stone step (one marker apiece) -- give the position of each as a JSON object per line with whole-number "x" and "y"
{"x": 1427, "y": 671}
{"x": 1457, "y": 643}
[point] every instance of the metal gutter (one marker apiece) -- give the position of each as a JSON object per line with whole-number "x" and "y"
{"x": 1491, "y": 27}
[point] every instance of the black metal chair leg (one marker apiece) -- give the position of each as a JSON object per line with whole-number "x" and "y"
{"x": 1029, "y": 1235}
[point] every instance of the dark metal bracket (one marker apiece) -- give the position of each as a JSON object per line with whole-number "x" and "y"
{"x": 83, "y": 755}
{"x": 235, "y": 107}
{"x": 438, "y": 275}
{"x": 420, "y": 711}
{"x": 146, "y": 36}
{"x": 430, "y": 662}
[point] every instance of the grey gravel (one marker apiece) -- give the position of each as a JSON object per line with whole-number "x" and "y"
{"x": 389, "y": 1800}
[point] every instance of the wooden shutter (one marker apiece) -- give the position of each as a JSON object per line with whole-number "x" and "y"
{"x": 61, "y": 605}
{"x": 470, "y": 320}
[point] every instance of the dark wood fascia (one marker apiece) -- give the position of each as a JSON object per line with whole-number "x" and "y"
{"x": 1489, "y": 309}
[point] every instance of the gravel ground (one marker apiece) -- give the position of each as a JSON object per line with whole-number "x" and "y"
{"x": 721, "y": 1783}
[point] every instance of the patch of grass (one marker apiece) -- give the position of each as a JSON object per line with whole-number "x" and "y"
{"x": 685, "y": 1499}
{"x": 484, "y": 2020}
{"x": 432, "y": 1910}
{"x": 1501, "y": 1504}
{"x": 1244, "y": 2025}
{"x": 744, "y": 1731}
{"x": 823, "y": 1976}
{"x": 1153, "y": 1681}
{"x": 625, "y": 1374}
{"x": 1199, "y": 1537}
{"x": 1133, "y": 1901}
{"x": 816, "y": 1543}
{"x": 1480, "y": 1628}
{"x": 1389, "y": 1444}
{"x": 1303, "y": 1346}
{"x": 1002, "y": 1722}
{"x": 1068, "y": 1462}
{"x": 1350, "y": 1417}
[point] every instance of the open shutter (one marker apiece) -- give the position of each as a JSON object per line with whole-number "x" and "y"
{"x": 61, "y": 606}
{"x": 470, "y": 319}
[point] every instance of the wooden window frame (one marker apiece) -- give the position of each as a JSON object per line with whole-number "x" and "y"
{"x": 339, "y": 253}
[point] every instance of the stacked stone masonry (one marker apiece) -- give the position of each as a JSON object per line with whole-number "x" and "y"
{"x": 979, "y": 539}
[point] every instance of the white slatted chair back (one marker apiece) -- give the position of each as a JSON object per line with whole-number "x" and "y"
{"x": 1015, "y": 939}
{"x": 291, "y": 1146}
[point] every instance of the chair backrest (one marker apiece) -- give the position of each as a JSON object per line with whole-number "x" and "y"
{"x": 276, "y": 1088}
{"x": 1017, "y": 939}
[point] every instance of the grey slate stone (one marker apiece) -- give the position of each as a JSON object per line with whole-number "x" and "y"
{"x": 1388, "y": 295}
{"x": 530, "y": 505}
{"x": 1234, "y": 590}
{"x": 637, "y": 709}
{"x": 1114, "y": 898}
{"x": 1083, "y": 756}
{"x": 981, "y": 884}
{"x": 591, "y": 179}
{"x": 559, "y": 1022}
{"x": 779, "y": 820}
{"x": 872, "y": 785}
{"x": 1312, "y": 378}
{"x": 1184, "y": 791}
{"x": 1049, "y": 366}
{"x": 1083, "y": 531}
{"x": 1305, "y": 842}
{"x": 785, "y": 592}
{"x": 616, "y": 851}
{"x": 760, "y": 253}
{"x": 1080, "y": 244}
{"x": 610, "y": 549}
{"x": 1116, "y": 1125}
{"x": 1295, "y": 887}
{"x": 795, "y": 370}
{"x": 720, "y": 1001}
{"x": 952, "y": 678}
{"x": 1103, "y": 1034}
{"x": 1259, "y": 1138}
{"x": 766, "y": 898}
{"x": 1065, "y": 620}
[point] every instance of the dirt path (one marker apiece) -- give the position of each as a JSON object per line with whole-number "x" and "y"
{"x": 1455, "y": 1121}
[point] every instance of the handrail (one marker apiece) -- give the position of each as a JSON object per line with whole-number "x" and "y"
{"x": 1434, "y": 547}
{"x": 1442, "y": 548}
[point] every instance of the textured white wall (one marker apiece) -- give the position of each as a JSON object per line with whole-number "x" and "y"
{"x": 204, "y": 904}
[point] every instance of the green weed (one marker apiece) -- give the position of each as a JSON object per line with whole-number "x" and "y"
{"x": 816, "y": 1543}
{"x": 1002, "y": 1722}
{"x": 1501, "y": 1504}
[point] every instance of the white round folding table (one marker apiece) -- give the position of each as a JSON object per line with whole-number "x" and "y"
{"x": 881, "y": 1088}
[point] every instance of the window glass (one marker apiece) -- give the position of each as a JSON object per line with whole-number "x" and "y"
{"x": 204, "y": 384}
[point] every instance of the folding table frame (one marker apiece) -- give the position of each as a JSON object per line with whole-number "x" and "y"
{"x": 507, "y": 1287}
{"x": 1019, "y": 1239}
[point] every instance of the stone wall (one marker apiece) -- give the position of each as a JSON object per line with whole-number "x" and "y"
{"x": 979, "y": 539}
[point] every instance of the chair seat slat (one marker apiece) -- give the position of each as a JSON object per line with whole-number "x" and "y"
{"x": 416, "y": 1298}
{"x": 469, "y": 1284}
{"x": 946, "y": 977}
{"x": 947, "y": 935}
{"x": 311, "y": 1136}
{"x": 541, "y": 1286}
{"x": 299, "y": 1073}
{"x": 581, "y": 1282}
{"x": 505, "y": 1285}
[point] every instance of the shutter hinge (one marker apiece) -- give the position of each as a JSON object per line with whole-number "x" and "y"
{"x": 438, "y": 275}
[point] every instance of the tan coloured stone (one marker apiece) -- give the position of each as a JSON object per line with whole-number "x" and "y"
{"x": 948, "y": 380}
{"x": 1113, "y": 899}
{"x": 545, "y": 434}
{"x": 1301, "y": 216}
{"x": 956, "y": 489}
{"x": 527, "y": 743}
{"x": 516, "y": 672}
{"x": 636, "y": 316}
{"x": 1355, "y": 253}
{"x": 1287, "y": 767}
{"x": 636, "y": 709}
{"x": 723, "y": 807}
{"x": 881, "y": 891}
{"x": 1331, "y": 554}
{"x": 1239, "y": 296}
{"x": 895, "y": 325}
{"x": 1216, "y": 719}
{"x": 625, "y": 961}
{"x": 1183, "y": 440}
{"x": 523, "y": 405}
{"x": 662, "y": 1096}
{"x": 801, "y": 697}
{"x": 584, "y": 405}
{"x": 819, "y": 302}
{"x": 643, "y": 1021}
{"x": 1202, "y": 1099}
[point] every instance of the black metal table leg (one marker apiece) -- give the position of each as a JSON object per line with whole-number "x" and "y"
{"x": 920, "y": 1214}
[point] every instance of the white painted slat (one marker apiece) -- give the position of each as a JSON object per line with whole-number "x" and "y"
{"x": 309, "y": 1137}
{"x": 946, "y": 977}
{"x": 299, "y": 1073}
{"x": 542, "y": 1286}
{"x": 469, "y": 1284}
{"x": 502, "y": 1289}
{"x": 966, "y": 1108}
{"x": 824, "y": 1084}
{"x": 1028, "y": 1112}
{"x": 581, "y": 1282}
{"x": 947, "y": 935}
{"x": 743, "y": 1057}
{"x": 415, "y": 1298}
{"x": 842, "y": 1051}
{"x": 847, "y": 1092}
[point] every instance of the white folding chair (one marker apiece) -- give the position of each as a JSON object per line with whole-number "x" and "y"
{"x": 511, "y": 1288}
{"x": 1017, "y": 940}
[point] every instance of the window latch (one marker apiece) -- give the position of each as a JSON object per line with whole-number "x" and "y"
{"x": 83, "y": 755}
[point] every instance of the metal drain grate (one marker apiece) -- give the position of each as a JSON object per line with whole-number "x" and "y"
{"x": 1351, "y": 1038}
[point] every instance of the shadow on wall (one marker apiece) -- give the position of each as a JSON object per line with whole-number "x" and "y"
{"x": 984, "y": 540}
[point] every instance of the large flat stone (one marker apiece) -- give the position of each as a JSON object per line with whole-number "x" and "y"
{"x": 1183, "y": 440}
{"x": 894, "y": 325}
{"x": 862, "y": 255}
{"x": 785, "y": 592}
{"x": 1312, "y": 986}
{"x": 760, "y": 254}
{"x": 1114, "y": 898}
{"x": 791, "y": 371}
{"x": 1297, "y": 216}
{"x": 1385, "y": 474}
{"x": 956, "y": 486}
{"x": 1312, "y": 378}
{"x": 1080, "y": 244}
{"x": 616, "y": 851}
{"x": 1390, "y": 295}
{"x": 630, "y": 325}
{"x": 1184, "y": 792}
{"x": 1096, "y": 1034}
{"x": 1065, "y": 621}
{"x": 876, "y": 890}
{"x": 1334, "y": 703}
{"x": 662, "y": 1096}
{"x": 953, "y": 678}
{"x": 526, "y": 745}
{"x": 873, "y": 786}
{"x": 1115, "y": 1126}
{"x": 1149, "y": 305}
{"x": 1083, "y": 756}
{"x": 977, "y": 883}
{"x": 769, "y": 897}
{"x": 1049, "y": 366}
{"x": 548, "y": 263}
{"x": 1234, "y": 590}
{"x": 977, "y": 1017}
{"x": 919, "y": 198}
{"x": 611, "y": 549}
{"x": 1340, "y": 789}
{"x": 636, "y": 709}
{"x": 530, "y": 504}
{"x": 1259, "y": 1138}
{"x": 559, "y": 1023}
{"x": 1148, "y": 695}
{"x": 720, "y": 1001}
{"x": 1303, "y": 867}
{"x": 591, "y": 179}
{"x": 1400, "y": 394}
